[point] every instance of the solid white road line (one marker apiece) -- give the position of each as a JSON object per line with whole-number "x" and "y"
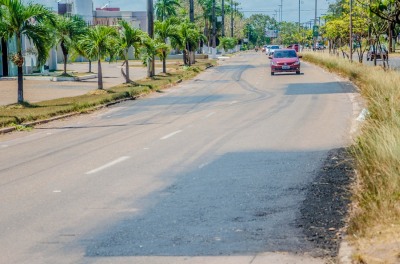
{"x": 112, "y": 163}
{"x": 171, "y": 134}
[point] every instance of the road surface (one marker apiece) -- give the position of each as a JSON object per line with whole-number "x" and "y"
{"x": 211, "y": 171}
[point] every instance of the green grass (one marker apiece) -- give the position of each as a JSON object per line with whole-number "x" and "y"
{"x": 377, "y": 148}
{"x": 18, "y": 114}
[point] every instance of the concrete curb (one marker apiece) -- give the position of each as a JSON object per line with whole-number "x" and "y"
{"x": 44, "y": 121}
{"x": 345, "y": 252}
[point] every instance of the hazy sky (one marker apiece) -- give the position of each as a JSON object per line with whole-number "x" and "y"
{"x": 248, "y": 7}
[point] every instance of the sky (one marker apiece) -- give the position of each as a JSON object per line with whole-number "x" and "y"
{"x": 248, "y": 7}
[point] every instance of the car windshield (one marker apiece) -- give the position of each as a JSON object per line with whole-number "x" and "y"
{"x": 285, "y": 54}
{"x": 274, "y": 47}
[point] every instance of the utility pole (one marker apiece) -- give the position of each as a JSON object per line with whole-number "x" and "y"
{"x": 223, "y": 17}
{"x": 281, "y": 10}
{"x": 214, "y": 32}
{"x": 191, "y": 11}
{"x": 351, "y": 31}
{"x": 231, "y": 18}
{"x": 299, "y": 16}
{"x": 192, "y": 56}
{"x": 150, "y": 31}
{"x": 315, "y": 29}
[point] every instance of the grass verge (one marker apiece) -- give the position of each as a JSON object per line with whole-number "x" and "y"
{"x": 17, "y": 114}
{"x": 375, "y": 218}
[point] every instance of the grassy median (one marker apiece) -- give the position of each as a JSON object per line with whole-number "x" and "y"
{"x": 17, "y": 114}
{"x": 375, "y": 217}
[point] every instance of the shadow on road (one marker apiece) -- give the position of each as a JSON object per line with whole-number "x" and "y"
{"x": 319, "y": 88}
{"x": 242, "y": 203}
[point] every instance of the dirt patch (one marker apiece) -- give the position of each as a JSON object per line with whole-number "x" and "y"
{"x": 324, "y": 211}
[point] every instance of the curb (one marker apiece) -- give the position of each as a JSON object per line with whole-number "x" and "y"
{"x": 345, "y": 252}
{"x": 44, "y": 121}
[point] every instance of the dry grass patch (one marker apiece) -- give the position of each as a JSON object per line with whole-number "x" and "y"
{"x": 375, "y": 218}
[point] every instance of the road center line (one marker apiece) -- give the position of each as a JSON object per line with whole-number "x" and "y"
{"x": 171, "y": 134}
{"x": 233, "y": 102}
{"x": 105, "y": 166}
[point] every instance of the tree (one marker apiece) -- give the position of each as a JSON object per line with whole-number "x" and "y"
{"x": 227, "y": 43}
{"x": 164, "y": 30}
{"x": 188, "y": 37}
{"x": 256, "y": 26}
{"x": 166, "y": 8}
{"x": 19, "y": 20}
{"x": 152, "y": 48}
{"x": 130, "y": 37}
{"x": 387, "y": 10}
{"x": 97, "y": 41}
{"x": 67, "y": 31}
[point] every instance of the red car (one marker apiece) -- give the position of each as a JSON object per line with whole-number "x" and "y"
{"x": 294, "y": 46}
{"x": 285, "y": 60}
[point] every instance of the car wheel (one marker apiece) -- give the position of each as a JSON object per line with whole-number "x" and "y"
{"x": 297, "y": 72}
{"x": 272, "y": 73}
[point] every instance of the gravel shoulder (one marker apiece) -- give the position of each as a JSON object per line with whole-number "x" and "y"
{"x": 325, "y": 210}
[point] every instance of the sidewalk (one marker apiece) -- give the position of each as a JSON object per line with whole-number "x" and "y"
{"x": 41, "y": 90}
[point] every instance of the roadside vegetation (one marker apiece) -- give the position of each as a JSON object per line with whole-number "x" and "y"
{"x": 17, "y": 115}
{"x": 375, "y": 218}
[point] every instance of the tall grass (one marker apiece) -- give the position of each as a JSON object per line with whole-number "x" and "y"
{"x": 377, "y": 148}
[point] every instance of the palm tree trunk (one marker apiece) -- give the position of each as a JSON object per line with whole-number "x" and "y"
{"x": 127, "y": 79}
{"x": 164, "y": 62}
{"x": 90, "y": 65}
{"x": 20, "y": 70}
{"x": 20, "y": 85}
{"x": 99, "y": 75}
{"x": 65, "y": 64}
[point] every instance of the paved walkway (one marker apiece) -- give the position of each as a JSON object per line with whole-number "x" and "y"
{"x": 41, "y": 90}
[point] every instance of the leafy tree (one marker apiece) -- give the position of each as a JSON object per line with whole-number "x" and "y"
{"x": 19, "y": 20}
{"x": 387, "y": 10}
{"x": 188, "y": 37}
{"x": 166, "y": 8}
{"x": 257, "y": 24}
{"x": 97, "y": 41}
{"x": 227, "y": 43}
{"x": 67, "y": 31}
{"x": 164, "y": 30}
{"x": 130, "y": 37}
{"x": 151, "y": 48}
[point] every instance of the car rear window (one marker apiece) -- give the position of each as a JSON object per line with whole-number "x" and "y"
{"x": 285, "y": 54}
{"x": 274, "y": 47}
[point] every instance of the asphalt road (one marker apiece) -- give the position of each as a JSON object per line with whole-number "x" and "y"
{"x": 211, "y": 171}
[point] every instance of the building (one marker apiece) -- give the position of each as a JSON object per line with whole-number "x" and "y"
{"x": 110, "y": 16}
{"x": 85, "y": 9}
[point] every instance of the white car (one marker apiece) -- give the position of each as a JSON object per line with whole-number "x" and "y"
{"x": 266, "y": 47}
{"x": 272, "y": 49}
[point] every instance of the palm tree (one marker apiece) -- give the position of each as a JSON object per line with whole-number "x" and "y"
{"x": 152, "y": 48}
{"x": 166, "y": 8}
{"x": 67, "y": 31}
{"x": 164, "y": 30}
{"x": 130, "y": 37}
{"x": 188, "y": 39}
{"x": 97, "y": 41}
{"x": 20, "y": 20}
